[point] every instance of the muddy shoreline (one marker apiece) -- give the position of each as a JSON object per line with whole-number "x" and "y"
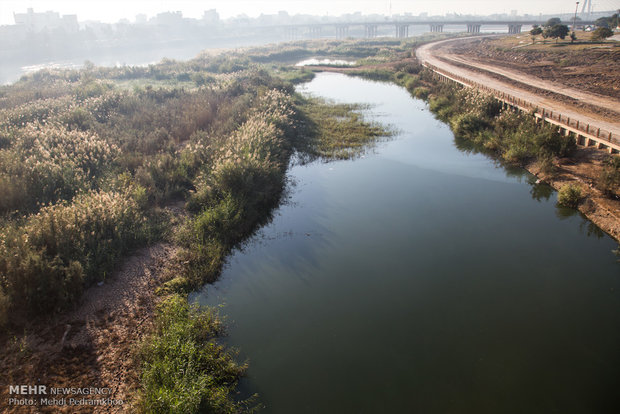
{"x": 93, "y": 345}
{"x": 584, "y": 168}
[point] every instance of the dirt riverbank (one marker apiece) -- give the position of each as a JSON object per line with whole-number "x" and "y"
{"x": 93, "y": 345}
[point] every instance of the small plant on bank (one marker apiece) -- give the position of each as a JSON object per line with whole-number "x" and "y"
{"x": 601, "y": 34}
{"x": 184, "y": 369}
{"x": 546, "y": 163}
{"x": 536, "y": 30}
{"x": 609, "y": 180}
{"x": 569, "y": 195}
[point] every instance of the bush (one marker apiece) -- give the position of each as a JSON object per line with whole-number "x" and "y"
{"x": 549, "y": 141}
{"x": 421, "y": 93}
{"x": 443, "y": 107}
{"x": 609, "y": 180}
{"x": 468, "y": 125}
{"x": 569, "y": 195}
{"x": 601, "y": 33}
{"x": 184, "y": 369}
{"x": 46, "y": 261}
{"x": 46, "y": 163}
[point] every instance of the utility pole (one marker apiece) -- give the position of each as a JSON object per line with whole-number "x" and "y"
{"x": 575, "y": 17}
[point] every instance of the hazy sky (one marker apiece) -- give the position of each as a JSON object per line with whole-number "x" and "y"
{"x": 113, "y": 10}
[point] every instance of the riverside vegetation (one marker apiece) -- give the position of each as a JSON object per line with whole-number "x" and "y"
{"x": 479, "y": 121}
{"x": 89, "y": 160}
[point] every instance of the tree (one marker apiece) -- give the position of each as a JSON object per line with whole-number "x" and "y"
{"x": 553, "y": 22}
{"x": 602, "y": 33}
{"x": 557, "y": 31}
{"x": 602, "y": 22}
{"x": 609, "y": 21}
{"x": 536, "y": 30}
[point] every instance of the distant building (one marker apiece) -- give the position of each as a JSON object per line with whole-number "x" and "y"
{"x": 141, "y": 19}
{"x": 211, "y": 16}
{"x": 36, "y": 22}
{"x": 169, "y": 18}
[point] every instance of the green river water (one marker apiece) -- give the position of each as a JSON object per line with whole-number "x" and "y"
{"x": 422, "y": 278}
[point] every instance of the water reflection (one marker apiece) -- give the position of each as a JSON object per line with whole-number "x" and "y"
{"x": 540, "y": 190}
{"x": 326, "y": 62}
{"x": 422, "y": 278}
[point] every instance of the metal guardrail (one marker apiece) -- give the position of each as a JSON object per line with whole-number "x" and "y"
{"x": 575, "y": 125}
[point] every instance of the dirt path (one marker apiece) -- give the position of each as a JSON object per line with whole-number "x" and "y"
{"x": 585, "y": 166}
{"x": 91, "y": 346}
{"x": 436, "y": 54}
{"x": 583, "y": 98}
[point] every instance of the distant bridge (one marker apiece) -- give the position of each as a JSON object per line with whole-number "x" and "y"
{"x": 401, "y": 27}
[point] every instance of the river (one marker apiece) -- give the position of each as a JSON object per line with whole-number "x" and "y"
{"x": 422, "y": 278}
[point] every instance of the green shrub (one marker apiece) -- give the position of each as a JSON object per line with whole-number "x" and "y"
{"x": 601, "y": 33}
{"x": 569, "y": 195}
{"x": 468, "y": 125}
{"x": 374, "y": 74}
{"x": 609, "y": 179}
{"x": 442, "y": 106}
{"x": 546, "y": 163}
{"x": 412, "y": 83}
{"x": 92, "y": 88}
{"x": 549, "y": 141}
{"x": 184, "y": 369}
{"x": 421, "y": 92}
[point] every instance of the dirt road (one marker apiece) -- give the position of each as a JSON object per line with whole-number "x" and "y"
{"x": 437, "y": 54}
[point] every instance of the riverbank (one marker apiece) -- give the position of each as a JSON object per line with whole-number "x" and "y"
{"x": 192, "y": 159}
{"x": 181, "y": 162}
{"x": 558, "y": 166}
{"x": 585, "y": 168}
{"x": 474, "y": 258}
{"x": 545, "y": 155}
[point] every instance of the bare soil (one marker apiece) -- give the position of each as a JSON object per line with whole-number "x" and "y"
{"x": 589, "y": 67}
{"x": 584, "y": 168}
{"x": 92, "y": 346}
{"x": 586, "y": 106}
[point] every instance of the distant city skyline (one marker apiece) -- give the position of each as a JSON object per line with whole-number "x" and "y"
{"x": 111, "y": 11}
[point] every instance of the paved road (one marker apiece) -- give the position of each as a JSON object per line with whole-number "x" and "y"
{"x": 431, "y": 52}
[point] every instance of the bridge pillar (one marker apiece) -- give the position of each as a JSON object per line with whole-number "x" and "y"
{"x": 514, "y": 28}
{"x": 292, "y": 33}
{"x": 473, "y": 28}
{"x": 314, "y": 32}
{"x": 342, "y": 31}
{"x": 437, "y": 28}
{"x": 370, "y": 31}
{"x": 402, "y": 30}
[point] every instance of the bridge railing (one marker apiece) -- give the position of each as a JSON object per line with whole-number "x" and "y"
{"x": 544, "y": 113}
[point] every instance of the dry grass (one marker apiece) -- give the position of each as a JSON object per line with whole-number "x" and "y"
{"x": 523, "y": 41}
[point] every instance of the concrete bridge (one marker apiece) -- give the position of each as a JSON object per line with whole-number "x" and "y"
{"x": 401, "y": 27}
